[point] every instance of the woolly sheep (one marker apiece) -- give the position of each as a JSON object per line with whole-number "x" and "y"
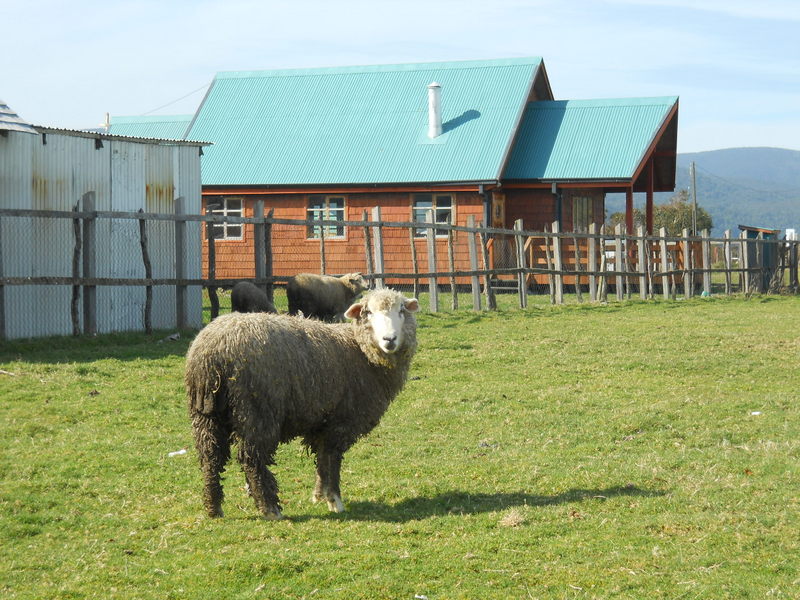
{"x": 247, "y": 297}
{"x": 260, "y": 379}
{"x": 322, "y": 296}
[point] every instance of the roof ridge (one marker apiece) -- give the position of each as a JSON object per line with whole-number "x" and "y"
{"x": 381, "y": 68}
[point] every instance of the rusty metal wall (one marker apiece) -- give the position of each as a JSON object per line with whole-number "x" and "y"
{"x": 52, "y": 171}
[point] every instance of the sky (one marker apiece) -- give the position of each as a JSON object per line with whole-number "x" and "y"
{"x": 735, "y": 64}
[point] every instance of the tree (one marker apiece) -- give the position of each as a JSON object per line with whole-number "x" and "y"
{"x": 674, "y": 216}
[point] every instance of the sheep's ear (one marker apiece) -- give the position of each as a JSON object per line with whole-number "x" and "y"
{"x": 354, "y": 311}
{"x": 411, "y": 305}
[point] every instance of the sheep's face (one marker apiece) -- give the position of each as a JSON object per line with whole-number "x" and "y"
{"x": 356, "y": 282}
{"x": 384, "y": 312}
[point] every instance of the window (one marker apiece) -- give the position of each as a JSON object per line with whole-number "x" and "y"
{"x": 228, "y": 207}
{"x": 441, "y": 205}
{"x": 581, "y": 213}
{"x": 325, "y": 208}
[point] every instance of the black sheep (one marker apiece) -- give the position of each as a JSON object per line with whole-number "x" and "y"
{"x": 247, "y": 297}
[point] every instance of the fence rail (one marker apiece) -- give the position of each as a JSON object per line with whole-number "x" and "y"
{"x": 592, "y": 262}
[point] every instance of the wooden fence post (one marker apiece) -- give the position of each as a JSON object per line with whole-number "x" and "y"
{"x": 759, "y": 275}
{"x": 491, "y": 301}
{"x": 519, "y": 245}
{"x": 558, "y": 264}
{"x": 662, "y": 232}
{"x": 378, "y": 247}
{"x": 642, "y": 259}
{"x": 591, "y": 262}
{"x": 744, "y": 263}
{"x": 433, "y": 288}
{"x": 473, "y": 263}
{"x": 688, "y": 272}
{"x": 148, "y": 273}
{"x": 726, "y": 250}
{"x": 3, "y": 332}
{"x": 269, "y": 287}
{"x": 89, "y": 265}
{"x": 414, "y": 260}
{"x": 578, "y": 269}
{"x": 452, "y": 267}
{"x": 602, "y": 287}
{"x": 212, "y": 266}
{"x": 259, "y": 249}
{"x": 76, "y": 275}
{"x": 368, "y": 248}
{"x": 180, "y": 267}
{"x": 322, "y": 266}
{"x": 706, "y": 251}
{"x": 548, "y": 257}
{"x": 793, "y": 263}
{"x": 619, "y": 261}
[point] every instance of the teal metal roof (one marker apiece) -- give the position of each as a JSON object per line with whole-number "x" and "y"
{"x": 586, "y": 139}
{"x": 168, "y": 127}
{"x": 362, "y": 125}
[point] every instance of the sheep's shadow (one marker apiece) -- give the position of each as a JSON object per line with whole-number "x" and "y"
{"x": 459, "y": 502}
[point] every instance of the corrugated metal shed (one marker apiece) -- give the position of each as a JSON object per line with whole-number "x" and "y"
{"x": 362, "y": 125}
{"x": 52, "y": 171}
{"x": 11, "y": 121}
{"x": 164, "y": 126}
{"x": 586, "y": 139}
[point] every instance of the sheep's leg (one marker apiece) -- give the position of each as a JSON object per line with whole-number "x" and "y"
{"x": 262, "y": 483}
{"x": 212, "y": 440}
{"x": 329, "y": 463}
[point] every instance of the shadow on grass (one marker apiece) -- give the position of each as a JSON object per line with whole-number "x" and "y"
{"x": 464, "y": 503}
{"x": 126, "y": 346}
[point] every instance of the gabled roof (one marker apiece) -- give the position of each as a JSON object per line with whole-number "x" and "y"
{"x": 172, "y": 127}
{"x": 368, "y": 125}
{"x": 364, "y": 125}
{"x": 592, "y": 140}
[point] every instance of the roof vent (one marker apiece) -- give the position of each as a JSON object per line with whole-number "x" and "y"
{"x": 434, "y": 110}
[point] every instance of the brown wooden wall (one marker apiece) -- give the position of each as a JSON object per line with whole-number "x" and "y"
{"x": 294, "y": 253}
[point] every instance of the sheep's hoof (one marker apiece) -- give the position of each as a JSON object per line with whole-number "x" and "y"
{"x": 273, "y": 516}
{"x": 336, "y": 505}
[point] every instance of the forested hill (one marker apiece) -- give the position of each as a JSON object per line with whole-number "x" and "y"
{"x": 739, "y": 186}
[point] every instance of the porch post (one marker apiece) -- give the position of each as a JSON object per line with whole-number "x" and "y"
{"x": 629, "y": 209}
{"x": 649, "y": 206}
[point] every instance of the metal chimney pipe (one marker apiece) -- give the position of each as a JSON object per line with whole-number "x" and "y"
{"x": 434, "y": 110}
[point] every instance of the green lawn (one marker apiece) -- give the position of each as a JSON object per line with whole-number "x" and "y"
{"x": 634, "y": 450}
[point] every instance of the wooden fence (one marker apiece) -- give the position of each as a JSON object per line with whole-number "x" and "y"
{"x": 594, "y": 263}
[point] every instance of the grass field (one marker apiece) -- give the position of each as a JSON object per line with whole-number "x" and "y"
{"x": 635, "y": 450}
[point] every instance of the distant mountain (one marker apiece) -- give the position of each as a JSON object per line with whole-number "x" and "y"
{"x": 738, "y": 186}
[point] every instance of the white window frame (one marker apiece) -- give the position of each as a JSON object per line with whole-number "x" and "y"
{"x": 444, "y": 214}
{"x": 229, "y": 231}
{"x": 326, "y": 212}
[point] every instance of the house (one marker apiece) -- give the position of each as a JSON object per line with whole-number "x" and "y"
{"x": 47, "y": 170}
{"x": 483, "y": 139}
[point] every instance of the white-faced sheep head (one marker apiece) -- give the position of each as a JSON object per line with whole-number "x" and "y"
{"x": 384, "y": 312}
